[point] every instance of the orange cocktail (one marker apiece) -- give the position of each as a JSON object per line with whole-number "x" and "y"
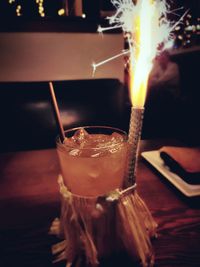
{"x": 93, "y": 159}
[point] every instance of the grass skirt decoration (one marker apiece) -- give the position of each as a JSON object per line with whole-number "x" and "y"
{"x": 98, "y": 227}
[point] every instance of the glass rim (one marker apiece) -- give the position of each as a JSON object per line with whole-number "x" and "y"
{"x": 115, "y": 129}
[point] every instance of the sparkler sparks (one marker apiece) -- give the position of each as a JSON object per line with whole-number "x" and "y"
{"x": 148, "y": 32}
{"x": 95, "y": 65}
{"x": 151, "y": 14}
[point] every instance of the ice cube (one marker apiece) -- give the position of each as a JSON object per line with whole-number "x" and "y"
{"x": 80, "y": 137}
{"x": 116, "y": 142}
{"x": 116, "y": 138}
{"x": 110, "y": 142}
{"x": 75, "y": 152}
{"x": 68, "y": 142}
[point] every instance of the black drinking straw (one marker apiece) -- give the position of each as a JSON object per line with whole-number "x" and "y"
{"x": 57, "y": 113}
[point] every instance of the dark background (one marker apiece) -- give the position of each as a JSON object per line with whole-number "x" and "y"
{"x": 90, "y": 8}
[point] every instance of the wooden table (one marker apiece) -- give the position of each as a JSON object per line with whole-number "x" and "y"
{"x": 29, "y": 201}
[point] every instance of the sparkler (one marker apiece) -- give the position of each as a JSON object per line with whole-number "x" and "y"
{"x": 148, "y": 33}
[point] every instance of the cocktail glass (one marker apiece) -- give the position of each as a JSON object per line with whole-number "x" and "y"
{"x": 93, "y": 159}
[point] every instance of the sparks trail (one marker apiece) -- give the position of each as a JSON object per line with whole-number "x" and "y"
{"x": 179, "y": 21}
{"x": 127, "y": 16}
{"x": 103, "y": 29}
{"x": 95, "y": 65}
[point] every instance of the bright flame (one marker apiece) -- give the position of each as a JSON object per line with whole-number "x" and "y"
{"x": 150, "y": 29}
{"x": 146, "y": 48}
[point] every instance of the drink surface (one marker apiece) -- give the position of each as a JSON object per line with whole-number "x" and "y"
{"x": 93, "y": 164}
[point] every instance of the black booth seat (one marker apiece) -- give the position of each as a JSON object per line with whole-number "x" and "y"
{"x": 27, "y": 117}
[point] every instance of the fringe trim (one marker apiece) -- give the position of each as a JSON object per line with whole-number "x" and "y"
{"x": 96, "y": 227}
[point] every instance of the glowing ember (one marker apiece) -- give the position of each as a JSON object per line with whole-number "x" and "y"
{"x": 149, "y": 32}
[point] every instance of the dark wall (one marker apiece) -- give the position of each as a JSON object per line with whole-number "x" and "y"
{"x": 173, "y": 109}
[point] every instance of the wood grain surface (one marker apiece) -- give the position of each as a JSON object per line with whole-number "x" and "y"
{"x": 29, "y": 201}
